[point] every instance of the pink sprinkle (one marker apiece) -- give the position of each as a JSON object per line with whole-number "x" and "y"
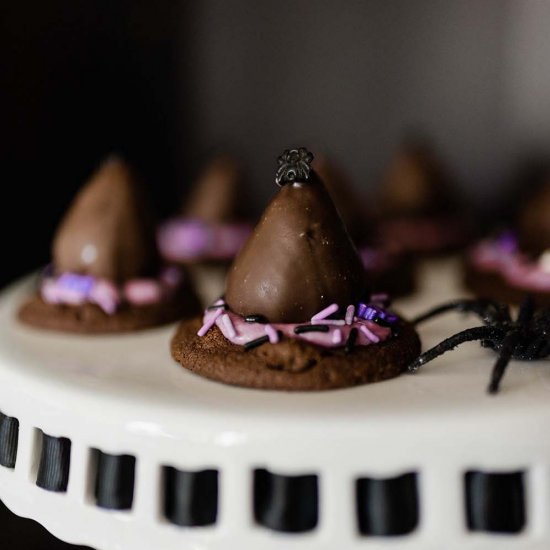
{"x": 323, "y": 314}
{"x": 50, "y": 292}
{"x": 350, "y": 312}
{"x": 336, "y": 322}
{"x": 105, "y": 294}
{"x": 209, "y": 323}
{"x": 337, "y": 336}
{"x": 143, "y": 292}
{"x": 226, "y": 320}
{"x": 369, "y": 334}
{"x": 382, "y": 297}
{"x": 272, "y": 334}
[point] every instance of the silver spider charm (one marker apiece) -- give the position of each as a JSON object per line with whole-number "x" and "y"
{"x": 294, "y": 165}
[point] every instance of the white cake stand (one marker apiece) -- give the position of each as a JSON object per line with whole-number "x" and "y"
{"x": 125, "y": 395}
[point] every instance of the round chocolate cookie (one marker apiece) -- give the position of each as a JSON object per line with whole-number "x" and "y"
{"x": 491, "y": 285}
{"x": 292, "y": 365}
{"x": 91, "y": 319}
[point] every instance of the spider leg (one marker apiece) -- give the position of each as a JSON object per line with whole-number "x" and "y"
{"x": 468, "y": 335}
{"x": 508, "y": 346}
{"x": 489, "y": 311}
{"x": 538, "y": 348}
{"x": 526, "y": 310}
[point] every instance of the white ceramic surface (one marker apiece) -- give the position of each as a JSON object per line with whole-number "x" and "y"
{"x": 124, "y": 394}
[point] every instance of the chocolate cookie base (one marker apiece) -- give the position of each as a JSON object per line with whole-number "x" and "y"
{"x": 491, "y": 285}
{"x": 292, "y": 365}
{"x": 91, "y": 319}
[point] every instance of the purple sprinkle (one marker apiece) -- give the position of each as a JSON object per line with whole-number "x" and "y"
{"x": 370, "y": 312}
{"x": 81, "y": 284}
{"x": 366, "y": 311}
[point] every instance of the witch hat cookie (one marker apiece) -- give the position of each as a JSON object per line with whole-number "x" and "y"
{"x": 418, "y": 209}
{"x": 106, "y": 275}
{"x": 515, "y": 262}
{"x": 294, "y": 315}
{"x": 388, "y": 269}
{"x": 211, "y": 226}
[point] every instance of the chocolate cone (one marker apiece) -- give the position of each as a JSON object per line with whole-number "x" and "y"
{"x": 214, "y": 197}
{"x": 107, "y": 232}
{"x": 414, "y": 184}
{"x": 534, "y": 222}
{"x": 298, "y": 260}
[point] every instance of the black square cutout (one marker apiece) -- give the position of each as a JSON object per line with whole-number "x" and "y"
{"x": 288, "y": 504}
{"x": 114, "y": 487}
{"x": 495, "y": 502}
{"x": 387, "y": 507}
{"x": 9, "y": 438}
{"x": 190, "y": 498}
{"x": 55, "y": 464}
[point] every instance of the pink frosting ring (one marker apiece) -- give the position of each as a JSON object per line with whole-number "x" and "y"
{"x": 240, "y": 332}
{"x": 513, "y": 266}
{"x": 75, "y": 289}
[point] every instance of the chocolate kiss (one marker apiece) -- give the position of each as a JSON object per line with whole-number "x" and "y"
{"x": 534, "y": 222}
{"x": 108, "y": 231}
{"x": 414, "y": 184}
{"x": 298, "y": 260}
{"x": 214, "y": 197}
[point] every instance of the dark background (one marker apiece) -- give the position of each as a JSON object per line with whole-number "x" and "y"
{"x": 164, "y": 83}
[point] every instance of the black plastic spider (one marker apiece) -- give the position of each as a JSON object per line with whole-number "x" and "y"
{"x": 527, "y": 337}
{"x": 294, "y": 165}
